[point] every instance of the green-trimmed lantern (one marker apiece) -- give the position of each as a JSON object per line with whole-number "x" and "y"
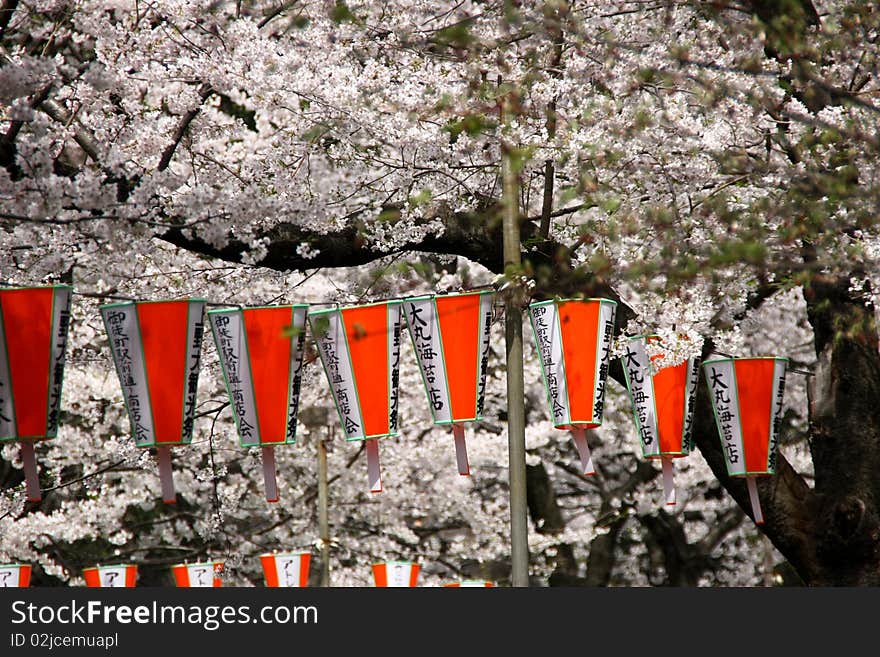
{"x": 261, "y": 352}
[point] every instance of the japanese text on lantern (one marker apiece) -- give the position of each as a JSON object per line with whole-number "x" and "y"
{"x": 424, "y": 342}
{"x": 604, "y": 357}
{"x": 192, "y": 380}
{"x": 120, "y": 342}
{"x": 57, "y": 374}
{"x": 484, "y": 359}
{"x": 687, "y": 439}
{"x": 777, "y": 421}
{"x": 545, "y": 346}
{"x": 725, "y": 417}
{"x": 327, "y": 345}
{"x": 395, "y": 372}
{"x": 635, "y": 371}
{"x": 222, "y": 324}
{"x": 293, "y": 402}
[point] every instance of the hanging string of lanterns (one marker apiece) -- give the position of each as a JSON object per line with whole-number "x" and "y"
{"x": 156, "y": 349}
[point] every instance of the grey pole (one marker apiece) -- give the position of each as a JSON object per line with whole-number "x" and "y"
{"x": 516, "y": 432}
{"x": 323, "y": 515}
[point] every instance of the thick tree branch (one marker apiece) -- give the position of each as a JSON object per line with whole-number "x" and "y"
{"x": 205, "y": 90}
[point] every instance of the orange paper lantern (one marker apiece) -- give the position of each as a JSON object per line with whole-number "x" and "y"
{"x": 396, "y": 574}
{"x": 360, "y": 350}
{"x": 198, "y": 575}
{"x": 34, "y": 323}
{"x": 121, "y": 576}
{"x": 286, "y": 569}
{"x": 15, "y": 575}
{"x": 156, "y": 347}
{"x": 450, "y": 335}
{"x": 663, "y": 405}
{"x": 747, "y": 395}
{"x": 574, "y": 343}
{"x": 261, "y": 352}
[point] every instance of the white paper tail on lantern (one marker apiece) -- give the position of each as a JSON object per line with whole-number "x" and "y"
{"x": 166, "y": 475}
{"x": 31, "y": 478}
{"x": 269, "y": 479}
{"x": 373, "y": 471}
{"x": 583, "y": 448}
{"x": 668, "y": 482}
{"x": 461, "y": 456}
{"x": 755, "y": 500}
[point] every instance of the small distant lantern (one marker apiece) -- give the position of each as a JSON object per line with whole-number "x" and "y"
{"x": 261, "y": 351}
{"x": 121, "y": 576}
{"x": 663, "y": 405}
{"x": 574, "y": 343}
{"x": 450, "y": 334}
{"x": 15, "y": 576}
{"x": 198, "y": 575}
{"x": 286, "y": 569}
{"x": 747, "y": 395}
{"x": 396, "y": 574}
{"x": 156, "y": 346}
{"x": 471, "y": 583}
{"x": 360, "y": 350}
{"x": 34, "y": 323}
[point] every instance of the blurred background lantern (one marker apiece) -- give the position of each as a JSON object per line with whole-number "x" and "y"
{"x": 15, "y": 576}
{"x": 203, "y": 574}
{"x": 121, "y": 576}
{"x": 360, "y": 350}
{"x": 470, "y": 583}
{"x": 396, "y": 574}
{"x": 156, "y": 346}
{"x": 34, "y": 324}
{"x": 747, "y": 395}
{"x": 662, "y": 404}
{"x": 261, "y": 352}
{"x": 574, "y": 338}
{"x": 286, "y": 569}
{"x": 450, "y": 335}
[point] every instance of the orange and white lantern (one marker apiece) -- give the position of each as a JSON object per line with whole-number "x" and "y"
{"x": 261, "y": 352}
{"x": 396, "y": 574}
{"x": 360, "y": 350}
{"x": 471, "y": 583}
{"x": 286, "y": 569}
{"x": 33, "y": 336}
{"x": 747, "y": 395}
{"x": 198, "y": 575}
{"x": 15, "y": 576}
{"x": 574, "y": 343}
{"x": 450, "y": 334}
{"x": 121, "y": 576}
{"x": 663, "y": 404}
{"x": 157, "y": 348}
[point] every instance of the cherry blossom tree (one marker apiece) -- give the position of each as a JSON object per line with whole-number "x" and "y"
{"x": 711, "y": 166}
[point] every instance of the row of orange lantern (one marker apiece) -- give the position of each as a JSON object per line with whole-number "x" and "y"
{"x": 156, "y": 348}
{"x": 280, "y": 570}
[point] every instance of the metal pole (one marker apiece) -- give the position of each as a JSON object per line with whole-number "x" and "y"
{"x": 323, "y": 515}
{"x": 516, "y": 433}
